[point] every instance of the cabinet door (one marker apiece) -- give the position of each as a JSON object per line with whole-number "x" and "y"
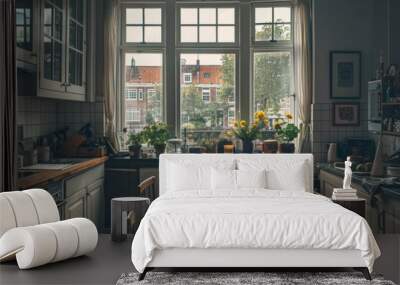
{"x": 52, "y": 62}
{"x": 26, "y": 27}
{"x": 76, "y": 46}
{"x": 95, "y": 203}
{"x": 75, "y": 205}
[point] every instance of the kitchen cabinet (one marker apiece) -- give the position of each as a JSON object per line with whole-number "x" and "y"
{"x": 63, "y": 49}
{"x": 84, "y": 194}
{"x": 95, "y": 202}
{"x": 382, "y": 213}
{"x": 75, "y": 205}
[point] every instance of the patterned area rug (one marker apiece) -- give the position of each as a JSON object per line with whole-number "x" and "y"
{"x": 243, "y": 278}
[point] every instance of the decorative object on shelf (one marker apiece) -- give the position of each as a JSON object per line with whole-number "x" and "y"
{"x": 156, "y": 134}
{"x": 174, "y": 146}
{"x": 229, "y": 148}
{"x": 377, "y": 166}
{"x": 346, "y": 114}
{"x": 286, "y": 132}
{"x": 347, "y": 174}
{"x": 332, "y": 153}
{"x": 134, "y": 143}
{"x": 344, "y": 194}
{"x": 270, "y": 146}
{"x": 345, "y": 74}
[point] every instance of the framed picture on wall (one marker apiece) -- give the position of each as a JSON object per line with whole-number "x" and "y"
{"x": 346, "y": 114}
{"x": 345, "y": 74}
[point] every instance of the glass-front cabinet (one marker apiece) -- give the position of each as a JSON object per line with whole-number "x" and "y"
{"x": 26, "y": 23}
{"x": 63, "y": 49}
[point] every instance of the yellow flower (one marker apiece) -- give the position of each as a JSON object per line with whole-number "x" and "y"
{"x": 288, "y": 116}
{"x": 256, "y": 121}
{"x": 260, "y": 115}
{"x": 229, "y": 133}
{"x": 243, "y": 123}
{"x": 278, "y": 123}
{"x": 266, "y": 122}
{"x": 235, "y": 124}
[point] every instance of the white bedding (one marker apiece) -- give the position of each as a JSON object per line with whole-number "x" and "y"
{"x": 251, "y": 218}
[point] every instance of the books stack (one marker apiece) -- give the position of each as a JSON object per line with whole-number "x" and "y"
{"x": 344, "y": 194}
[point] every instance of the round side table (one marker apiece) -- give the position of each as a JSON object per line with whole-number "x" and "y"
{"x": 126, "y": 214}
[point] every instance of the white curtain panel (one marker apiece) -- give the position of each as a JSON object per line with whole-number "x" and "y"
{"x": 303, "y": 72}
{"x": 110, "y": 68}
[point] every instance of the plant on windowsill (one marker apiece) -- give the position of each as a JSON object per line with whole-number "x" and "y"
{"x": 157, "y": 134}
{"x": 286, "y": 132}
{"x": 135, "y": 141}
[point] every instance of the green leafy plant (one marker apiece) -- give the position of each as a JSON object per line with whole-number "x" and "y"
{"x": 286, "y": 131}
{"x": 135, "y": 139}
{"x": 156, "y": 134}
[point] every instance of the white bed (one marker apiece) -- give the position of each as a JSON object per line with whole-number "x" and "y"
{"x": 202, "y": 226}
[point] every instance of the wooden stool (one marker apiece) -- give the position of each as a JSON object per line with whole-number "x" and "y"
{"x": 126, "y": 212}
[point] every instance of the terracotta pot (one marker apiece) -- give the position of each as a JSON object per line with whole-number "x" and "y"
{"x": 134, "y": 151}
{"x": 270, "y": 146}
{"x": 247, "y": 146}
{"x": 286, "y": 147}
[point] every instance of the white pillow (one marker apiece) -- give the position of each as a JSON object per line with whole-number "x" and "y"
{"x": 223, "y": 179}
{"x": 182, "y": 177}
{"x": 292, "y": 178}
{"x": 251, "y": 178}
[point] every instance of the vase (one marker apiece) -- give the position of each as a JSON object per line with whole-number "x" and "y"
{"x": 286, "y": 147}
{"x": 134, "y": 151}
{"x": 159, "y": 148}
{"x": 247, "y": 146}
{"x": 332, "y": 150}
{"x": 270, "y": 146}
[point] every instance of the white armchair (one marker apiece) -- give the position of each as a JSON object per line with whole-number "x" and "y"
{"x": 31, "y": 230}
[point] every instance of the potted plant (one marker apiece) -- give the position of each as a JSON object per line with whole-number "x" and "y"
{"x": 135, "y": 141}
{"x": 286, "y": 132}
{"x": 246, "y": 133}
{"x": 156, "y": 134}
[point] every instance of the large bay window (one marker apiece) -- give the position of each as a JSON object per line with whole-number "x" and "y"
{"x": 200, "y": 67}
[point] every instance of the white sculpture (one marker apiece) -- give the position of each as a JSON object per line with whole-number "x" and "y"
{"x": 347, "y": 174}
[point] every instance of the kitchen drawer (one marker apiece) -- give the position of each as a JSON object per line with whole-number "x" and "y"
{"x": 80, "y": 181}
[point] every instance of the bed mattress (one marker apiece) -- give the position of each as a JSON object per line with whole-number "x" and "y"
{"x": 250, "y": 219}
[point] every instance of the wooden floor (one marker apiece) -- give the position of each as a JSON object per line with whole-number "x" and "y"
{"x": 110, "y": 260}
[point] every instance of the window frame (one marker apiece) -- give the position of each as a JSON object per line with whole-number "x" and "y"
{"x": 142, "y": 5}
{"x": 206, "y": 5}
{"x": 208, "y": 91}
{"x": 271, "y": 43}
{"x": 171, "y": 49}
{"x": 184, "y": 78}
{"x": 271, "y": 46}
{"x": 134, "y": 94}
{"x": 134, "y": 111}
{"x": 132, "y": 47}
{"x": 180, "y": 51}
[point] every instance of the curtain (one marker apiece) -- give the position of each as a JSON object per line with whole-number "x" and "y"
{"x": 110, "y": 69}
{"x": 8, "y": 126}
{"x": 303, "y": 72}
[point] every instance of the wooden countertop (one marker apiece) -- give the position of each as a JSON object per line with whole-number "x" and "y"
{"x": 42, "y": 177}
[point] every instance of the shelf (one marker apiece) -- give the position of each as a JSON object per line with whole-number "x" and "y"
{"x": 390, "y": 133}
{"x": 390, "y": 103}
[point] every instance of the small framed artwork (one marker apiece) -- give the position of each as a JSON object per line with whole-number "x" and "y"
{"x": 346, "y": 114}
{"x": 345, "y": 74}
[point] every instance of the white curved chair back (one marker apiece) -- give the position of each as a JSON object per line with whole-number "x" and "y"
{"x": 26, "y": 208}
